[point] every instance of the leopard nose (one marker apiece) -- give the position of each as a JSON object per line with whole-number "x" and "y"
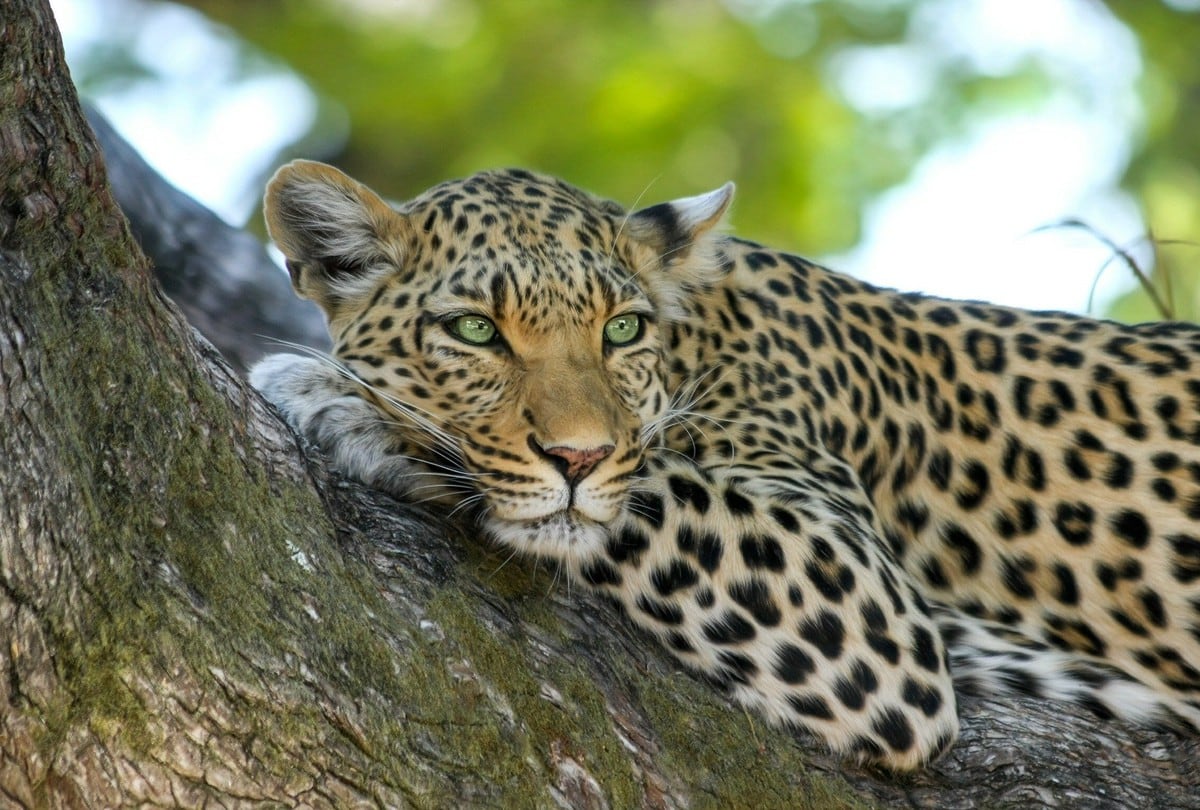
{"x": 574, "y": 463}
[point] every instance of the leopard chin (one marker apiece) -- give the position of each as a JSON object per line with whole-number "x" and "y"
{"x": 562, "y": 534}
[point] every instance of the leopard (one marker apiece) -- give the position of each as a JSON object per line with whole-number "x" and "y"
{"x": 842, "y": 505}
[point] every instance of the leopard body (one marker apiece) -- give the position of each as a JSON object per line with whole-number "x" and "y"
{"x": 837, "y": 502}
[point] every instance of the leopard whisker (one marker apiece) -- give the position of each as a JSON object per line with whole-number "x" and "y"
{"x": 420, "y": 417}
{"x": 467, "y": 503}
{"x": 512, "y": 554}
{"x": 682, "y": 404}
{"x": 435, "y": 468}
{"x": 629, "y": 212}
{"x": 646, "y": 265}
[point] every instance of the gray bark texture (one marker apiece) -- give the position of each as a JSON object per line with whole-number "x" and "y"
{"x": 194, "y": 612}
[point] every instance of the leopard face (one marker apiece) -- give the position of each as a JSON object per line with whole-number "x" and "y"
{"x": 508, "y": 327}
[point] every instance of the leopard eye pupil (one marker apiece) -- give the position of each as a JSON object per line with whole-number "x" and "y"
{"x": 622, "y": 329}
{"x": 473, "y": 329}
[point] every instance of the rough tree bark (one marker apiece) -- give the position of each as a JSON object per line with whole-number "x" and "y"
{"x": 195, "y": 613}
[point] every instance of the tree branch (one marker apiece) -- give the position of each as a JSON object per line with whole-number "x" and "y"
{"x": 220, "y": 277}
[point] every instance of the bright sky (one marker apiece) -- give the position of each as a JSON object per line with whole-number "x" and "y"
{"x": 210, "y": 136}
{"x": 969, "y": 222}
{"x": 965, "y": 224}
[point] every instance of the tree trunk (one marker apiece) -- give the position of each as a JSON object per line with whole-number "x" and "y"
{"x": 197, "y": 614}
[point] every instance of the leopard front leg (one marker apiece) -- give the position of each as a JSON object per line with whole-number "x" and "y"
{"x": 326, "y": 406}
{"x": 780, "y": 588}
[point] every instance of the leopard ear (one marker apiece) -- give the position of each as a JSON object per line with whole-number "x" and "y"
{"x": 674, "y": 228}
{"x": 682, "y": 235}
{"x": 339, "y": 237}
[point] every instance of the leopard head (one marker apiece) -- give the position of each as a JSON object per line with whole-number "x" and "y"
{"x": 510, "y": 329}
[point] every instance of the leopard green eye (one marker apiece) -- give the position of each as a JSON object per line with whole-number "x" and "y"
{"x": 474, "y": 329}
{"x": 623, "y": 329}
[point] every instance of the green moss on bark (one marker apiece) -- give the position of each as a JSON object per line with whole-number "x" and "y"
{"x": 540, "y": 714}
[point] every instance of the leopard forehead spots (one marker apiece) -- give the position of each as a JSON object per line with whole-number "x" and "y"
{"x": 823, "y": 496}
{"x": 522, "y": 249}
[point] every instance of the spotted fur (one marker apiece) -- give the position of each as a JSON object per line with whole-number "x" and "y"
{"x": 835, "y": 501}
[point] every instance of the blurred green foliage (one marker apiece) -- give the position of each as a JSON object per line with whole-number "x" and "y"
{"x": 650, "y": 99}
{"x": 661, "y": 97}
{"x": 1164, "y": 172}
